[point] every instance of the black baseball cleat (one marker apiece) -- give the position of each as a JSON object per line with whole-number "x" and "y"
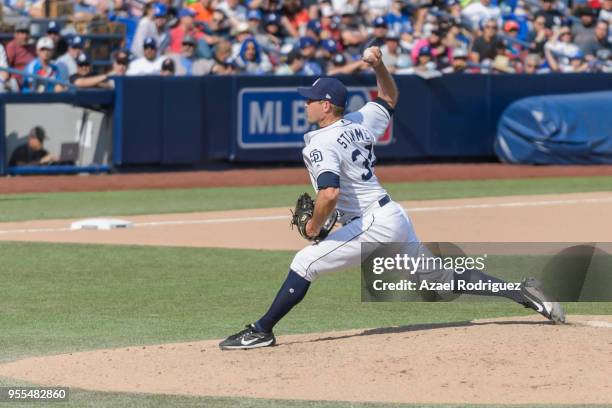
{"x": 248, "y": 338}
{"x": 536, "y": 299}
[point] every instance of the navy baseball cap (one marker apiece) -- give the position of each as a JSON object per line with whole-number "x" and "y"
{"x": 307, "y": 42}
{"x": 425, "y": 50}
{"x": 379, "y": 22}
{"x": 254, "y": 15}
{"x": 82, "y": 60}
{"x": 76, "y": 42}
{"x": 314, "y": 25}
{"x": 339, "y": 60}
{"x": 53, "y": 27}
{"x": 272, "y": 19}
{"x": 326, "y": 89}
{"x": 150, "y": 42}
{"x": 329, "y": 45}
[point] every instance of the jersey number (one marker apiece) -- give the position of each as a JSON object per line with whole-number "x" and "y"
{"x": 366, "y": 162}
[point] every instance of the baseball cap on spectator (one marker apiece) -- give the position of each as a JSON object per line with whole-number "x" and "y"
{"x": 392, "y": 35}
{"x": 168, "y": 65}
{"x": 379, "y": 22}
{"x": 242, "y": 27}
{"x": 160, "y": 10}
{"x": 189, "y": 40}
{"x": 149, "y": 42}
{"x": 45, "y": 42}
{"x": 307, "y": 42}
{"x": 511, "y": 25}
{"x": 82, "y": 60}
{"x": 566, "y": 22}
{"x": 450, "y": 3}
{"x": 23, "y": 26}
{"x": 339, "y": 60}
{"x": 186, "y": 12}
{"x": 39, "y": 133}
{"x": 76, "y": 42}
{"x": 272, "y": 19}
{"x": 314, "y": 25}
{"x": 326, "y": 89}
{"x": 425, "y": 51}
{"x": 329, "y": 45}
{"x": 53, "y": 28}
{"x": 254, "y": 15}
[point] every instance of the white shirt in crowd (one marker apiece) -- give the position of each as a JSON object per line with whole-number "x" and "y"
{"x": 67, "y": 66}
{"x": 143, "y": 66}
{"x": 477, "y": 12}
{"x": 378, "y": 7}
{"x": 146, "y": 28}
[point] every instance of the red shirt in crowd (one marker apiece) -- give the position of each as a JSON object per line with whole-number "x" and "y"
{"x": 176, "y": 38}
{"x": 18, "y": 56}
{"x": 299, "y": 18}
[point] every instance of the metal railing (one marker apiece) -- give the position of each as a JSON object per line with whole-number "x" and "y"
{"x": 69, "y": 86}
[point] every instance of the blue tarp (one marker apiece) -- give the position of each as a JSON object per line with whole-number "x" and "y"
{"x": 557, "y": 129}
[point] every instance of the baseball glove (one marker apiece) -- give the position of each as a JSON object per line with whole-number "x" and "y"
{"x": 304, "y": 209}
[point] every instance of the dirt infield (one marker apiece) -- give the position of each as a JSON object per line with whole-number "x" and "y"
{"x": 290, "y": 175}
{"x": 585, "y": 218}
{"x": 512, "y": 360}
{"x": 516, "y": 360}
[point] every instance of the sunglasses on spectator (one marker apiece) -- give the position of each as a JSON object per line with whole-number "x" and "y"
{"x": 45, "y": 49}
{"x": 492, "y": 27}
{"x": 531, "y": 66}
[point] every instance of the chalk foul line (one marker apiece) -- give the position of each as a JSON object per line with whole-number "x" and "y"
{"x": 515, "y": 204}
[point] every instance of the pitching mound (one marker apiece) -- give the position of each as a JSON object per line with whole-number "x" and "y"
{"x": 512, "y": 360}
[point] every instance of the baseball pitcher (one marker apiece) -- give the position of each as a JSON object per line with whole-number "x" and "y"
{"x": 340, "y": 159}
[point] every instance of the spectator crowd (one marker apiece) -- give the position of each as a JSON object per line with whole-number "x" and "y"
{"x": 318, "y": 37}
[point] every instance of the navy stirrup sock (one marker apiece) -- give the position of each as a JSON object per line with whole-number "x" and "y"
{"x": 290, "y": 294}
{"x": 474, "y": 276}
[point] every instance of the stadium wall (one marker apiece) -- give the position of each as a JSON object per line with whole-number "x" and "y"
{"x": 170, "y": 121}
{"x": 161, "y": 121}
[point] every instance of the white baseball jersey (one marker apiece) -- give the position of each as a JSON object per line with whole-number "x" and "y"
{"x": 346, "y": 148}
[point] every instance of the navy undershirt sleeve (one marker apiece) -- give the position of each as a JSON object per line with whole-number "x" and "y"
{"x": 385, "y": 105}
{"x": 328, "y": 179}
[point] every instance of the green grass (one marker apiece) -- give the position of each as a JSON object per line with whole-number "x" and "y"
{"x": 19, "y": 207}
{"x": 58, "y": 298}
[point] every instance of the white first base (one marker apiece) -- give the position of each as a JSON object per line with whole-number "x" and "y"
{"x": 100, "y": 224}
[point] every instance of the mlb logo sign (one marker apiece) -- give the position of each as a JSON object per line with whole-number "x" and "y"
{"x": 357, "y": 97}
{"x": 276, "y": 117}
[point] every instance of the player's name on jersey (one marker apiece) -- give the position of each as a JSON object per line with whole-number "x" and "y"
{"x": 350, "y": 136}
{"x": 380, "y": 285}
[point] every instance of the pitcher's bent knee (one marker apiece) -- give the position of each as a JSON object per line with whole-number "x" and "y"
{"x": 303, "y": 263}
